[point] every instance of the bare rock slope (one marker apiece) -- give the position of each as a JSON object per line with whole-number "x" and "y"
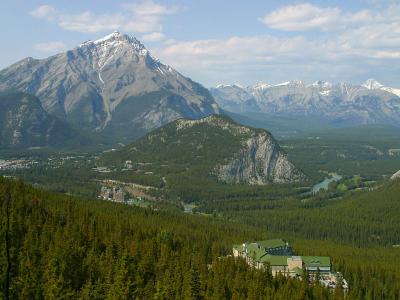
{"x": 112, "y": 85}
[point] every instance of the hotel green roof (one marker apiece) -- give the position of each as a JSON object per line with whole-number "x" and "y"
{"x": 274, "y": 260}
{"x": 317, "y": 261}
{"x": 258, "y": 252}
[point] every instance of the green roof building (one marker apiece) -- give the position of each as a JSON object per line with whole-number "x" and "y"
{"x": 279, "y": 255}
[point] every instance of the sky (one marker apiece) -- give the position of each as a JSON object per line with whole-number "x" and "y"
{"x": 215, "y": 41}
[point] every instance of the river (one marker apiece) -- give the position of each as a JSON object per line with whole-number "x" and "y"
{"x": 323, "y": 185}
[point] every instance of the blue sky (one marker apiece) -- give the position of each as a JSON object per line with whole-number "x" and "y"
{"x": 222, "y": 41}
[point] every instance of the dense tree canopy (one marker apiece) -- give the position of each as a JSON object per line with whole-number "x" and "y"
{"x": 62, "y": 248}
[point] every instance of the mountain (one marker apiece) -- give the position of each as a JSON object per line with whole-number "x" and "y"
{"x": 214, "y": 147}
{"x": 372, "y": 84}
{"x": 112, "y": 85}
{"x": 342, "y": 104}
{"x": 24, "y": 123}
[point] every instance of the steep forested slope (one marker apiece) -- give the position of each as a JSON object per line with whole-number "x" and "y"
{"x": 184, "y": 156}
{"x": 62, "y": 247}
{"x": 359, "y": 218}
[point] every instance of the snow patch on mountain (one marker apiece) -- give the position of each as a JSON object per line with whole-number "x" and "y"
{"x": 262, "y": 86}
{"x": 372, "y": 84}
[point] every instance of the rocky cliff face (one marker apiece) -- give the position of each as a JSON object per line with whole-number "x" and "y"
{"x": 111, "y": 83}
{"x": 395, "y": 175}
{"x": 256, "y": 159}
{"x": 260, "y": 161}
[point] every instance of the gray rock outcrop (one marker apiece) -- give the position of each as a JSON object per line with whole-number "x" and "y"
{"x": 260, "y": 161}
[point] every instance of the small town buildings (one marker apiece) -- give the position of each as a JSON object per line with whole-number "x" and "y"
{"x": 116, "y": 194}
{"x": 106, "y": 193}
{"x": 128, "y": 165}
{"x": 119, "y": 195}
{"x": 280, "y": 257}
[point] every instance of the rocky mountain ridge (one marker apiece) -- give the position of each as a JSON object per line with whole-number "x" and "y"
{"x": 370, "y": 103}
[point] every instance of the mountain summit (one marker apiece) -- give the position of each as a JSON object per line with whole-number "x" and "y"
{"x": 111, "y": 85}
{"x": 372, "y": 84}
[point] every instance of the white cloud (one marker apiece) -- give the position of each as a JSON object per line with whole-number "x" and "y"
{"x": 341, "y": 55}
{"x": 145, "y": 17}
{"x": 49, "y": 46}
{"x": 302, "y": 17}
{"x": 45, "y": 12}
{"x": 365, "y": 41}
{"x": 89, "y": 22}
{"x": 153, "y": 37}
{"x": 149, "y": 8}
{"x": 234, "y": 50}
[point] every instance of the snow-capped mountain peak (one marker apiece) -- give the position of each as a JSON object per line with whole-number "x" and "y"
{"x": 343, "y": 103}
{"x": 117, "y": 40}
{"x": 262, "y": 86}
{"x": 372, "y": 84}
{"x": 291, "y": 83}
{"x": 234, "y": 85}
{"x": 322, "y": 84}
{"x": 111, "y": 36}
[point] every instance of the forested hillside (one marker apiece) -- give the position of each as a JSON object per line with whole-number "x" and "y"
{"x": 369, "y": 218}
{"x": 184, "y": 156}
{"x": 59, "y": 247}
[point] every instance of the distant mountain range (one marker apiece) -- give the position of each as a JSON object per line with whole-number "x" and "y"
{"x": 112, "y": 85}
{"x": 342, "y": 104}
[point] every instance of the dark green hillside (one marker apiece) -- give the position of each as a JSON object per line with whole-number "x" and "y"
{"x": 359, "y": 218}
{"x": 66, "y": 248}
{"x": 370, "y": 151}
{"x": 181, "y": 158}
{"x": 62, "y": 248}
{"x": 192, "y": 151}
{"x": 24, "y": 123}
